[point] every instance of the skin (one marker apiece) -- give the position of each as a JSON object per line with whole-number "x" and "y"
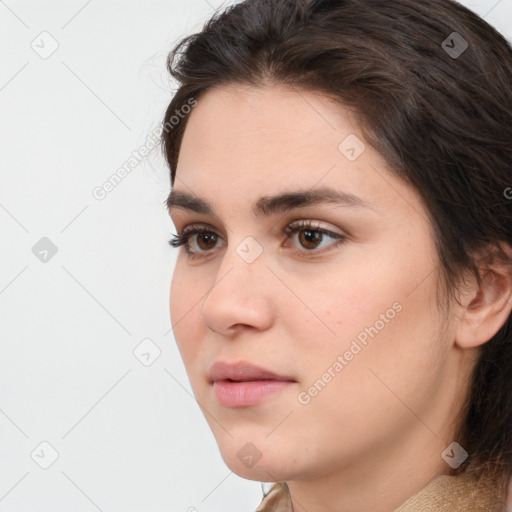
{"x": 374, "y": 434}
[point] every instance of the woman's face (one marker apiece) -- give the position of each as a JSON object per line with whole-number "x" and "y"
{"x": 347, "y": 318}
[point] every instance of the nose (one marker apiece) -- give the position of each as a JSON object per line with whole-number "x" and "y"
{"x": 240, "y": 298}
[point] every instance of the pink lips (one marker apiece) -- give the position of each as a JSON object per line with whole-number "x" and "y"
{"x": 243, "y": 384}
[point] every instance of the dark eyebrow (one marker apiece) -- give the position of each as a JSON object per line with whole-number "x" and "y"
{"x": 270, "y": 205}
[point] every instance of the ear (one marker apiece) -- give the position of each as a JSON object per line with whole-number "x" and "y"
{"x": 485, "y": 307}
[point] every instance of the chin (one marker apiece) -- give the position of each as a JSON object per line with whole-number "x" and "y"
{"x": 261, "y": 459}
{"x": 261, "y": 471}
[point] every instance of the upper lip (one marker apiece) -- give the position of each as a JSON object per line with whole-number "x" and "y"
{"x": 241, "y": 371}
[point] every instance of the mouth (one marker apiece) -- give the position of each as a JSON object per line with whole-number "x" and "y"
{"x": 244, "y": 385}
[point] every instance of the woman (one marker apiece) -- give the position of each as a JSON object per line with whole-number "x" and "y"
{"x": 341, "y": 174}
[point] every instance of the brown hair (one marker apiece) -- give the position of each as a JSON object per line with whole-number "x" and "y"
{"x": 439, "y": 112}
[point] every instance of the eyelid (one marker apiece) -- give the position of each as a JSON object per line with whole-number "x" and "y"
{"x": 311, "y": 224}
{"x": 198, "y": 226}
{"x": 290, "y": 229}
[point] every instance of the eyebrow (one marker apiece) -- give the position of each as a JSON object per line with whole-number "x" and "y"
{"x": 270, "y": 205}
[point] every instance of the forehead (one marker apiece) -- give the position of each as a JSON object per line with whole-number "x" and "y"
{"x": 260, "y": 134}
{"x": 269, "y": 118}
{"x": 243, "y": 142}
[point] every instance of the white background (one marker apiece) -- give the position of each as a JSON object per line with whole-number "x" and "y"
{"x": 129, "y": 437}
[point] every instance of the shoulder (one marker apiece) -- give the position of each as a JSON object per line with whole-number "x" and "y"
{"x": 278, "y": 497}
{"x": 276, "y": 500}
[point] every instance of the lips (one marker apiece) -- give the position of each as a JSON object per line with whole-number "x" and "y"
{"x": 241, "y": 385}
{"x": 242, "y": 372}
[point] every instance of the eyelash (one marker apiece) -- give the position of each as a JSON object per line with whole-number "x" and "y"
{"x": 183, "y": 239}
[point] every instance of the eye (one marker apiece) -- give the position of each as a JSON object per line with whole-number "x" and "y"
{"x": 205, "y": 240}
{"x": 200, "y": 239}
{"x": 310, "y": 236}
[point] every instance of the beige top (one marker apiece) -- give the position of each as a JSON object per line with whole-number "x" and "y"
{"x": 443, "y": 494}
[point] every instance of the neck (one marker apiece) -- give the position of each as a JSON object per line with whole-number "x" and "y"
{"x": 369, "y": 485}
{"x": 384, "y": 477}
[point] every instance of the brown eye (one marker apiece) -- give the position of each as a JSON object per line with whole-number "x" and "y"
{"x": 206, "y": 240}
{"x": 310, "y": 238}
{"x": 200, "y": 241}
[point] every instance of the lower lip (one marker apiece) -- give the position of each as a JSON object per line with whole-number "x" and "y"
{"x": 245, "y": 394}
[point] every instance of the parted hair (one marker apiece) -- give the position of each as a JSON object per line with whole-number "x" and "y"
{"x": 430, "y": 83}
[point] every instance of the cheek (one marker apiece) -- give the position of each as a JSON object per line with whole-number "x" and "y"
{"x": 185, "y": 305}
{"x": 378, "y": 316}
{"x": 344, "y": 306}
{"x": 382, "y": 329}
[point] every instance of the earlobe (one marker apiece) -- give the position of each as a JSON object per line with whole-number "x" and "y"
{"x": 485, "y": 307}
